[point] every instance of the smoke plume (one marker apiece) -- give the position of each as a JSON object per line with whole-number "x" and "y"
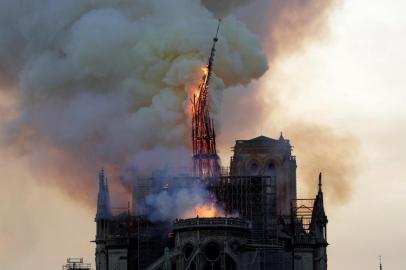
{"x": 321, "y": 149}
{"x": 286, "y": 27}
{"x": 106, "y": 83}
{"x": 178, "y": 203}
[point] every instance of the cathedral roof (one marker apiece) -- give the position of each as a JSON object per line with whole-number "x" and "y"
{"x": 262, "y": 138}
{"x": 266, "y": 140}
{"x": 265, "y": 143}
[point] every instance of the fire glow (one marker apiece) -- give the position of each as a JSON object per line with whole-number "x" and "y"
{"x": 207, "y": 210}
{"x": 196, "y": 89}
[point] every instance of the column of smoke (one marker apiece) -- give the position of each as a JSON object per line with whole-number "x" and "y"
{"x": 107, "y": 83}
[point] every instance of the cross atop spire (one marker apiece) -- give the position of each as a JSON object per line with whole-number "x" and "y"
{"x": 217, "y": 33}
{"x": 212, "y": 54}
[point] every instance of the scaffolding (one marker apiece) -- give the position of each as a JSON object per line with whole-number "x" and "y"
{"x": 143, "y": 240}
{"x": 76, "y": 264}
{"x": 254, "y": 199}
{"x": 301, "y": 216}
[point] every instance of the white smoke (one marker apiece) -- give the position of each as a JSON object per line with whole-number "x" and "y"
{"x": 108, "y": 83}
{"x": 169, "y": 205}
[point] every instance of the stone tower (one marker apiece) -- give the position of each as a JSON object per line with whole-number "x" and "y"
{"x": 263, "y": 156}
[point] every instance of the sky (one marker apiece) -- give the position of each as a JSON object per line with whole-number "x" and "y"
{"x": 351, "y": 80}
{"x": 354, "y": 81}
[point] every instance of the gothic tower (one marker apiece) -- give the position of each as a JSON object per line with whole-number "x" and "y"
{"x": 263, "y": 156}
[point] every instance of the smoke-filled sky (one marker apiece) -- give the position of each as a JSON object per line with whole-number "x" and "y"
{"x": 83, "y": 83}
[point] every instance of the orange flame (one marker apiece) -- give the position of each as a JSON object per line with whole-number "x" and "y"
{"x": 194, "y": 90}
{"x": 205, "y": 70}
{"x": 208, "y": 210}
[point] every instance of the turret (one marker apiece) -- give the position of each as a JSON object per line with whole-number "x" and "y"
{"x": 319, "y": 218}
{"x": 318, "y": 229}
{"x": 103, "y": 198}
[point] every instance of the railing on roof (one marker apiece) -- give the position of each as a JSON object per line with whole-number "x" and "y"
{"x": 182, "y": 172}
{"x": 211, "y": 222}
{"x": 76, "y": 264}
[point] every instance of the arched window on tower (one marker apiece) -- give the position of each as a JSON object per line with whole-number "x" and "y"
{"x": 253, "y": 167}
{"x": 271, "y": 169}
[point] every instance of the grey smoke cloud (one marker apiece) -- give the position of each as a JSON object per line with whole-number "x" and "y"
{"x": 222, "y": 8}
{"x": 108, "y": 83}
{"x": 169, "y": 205}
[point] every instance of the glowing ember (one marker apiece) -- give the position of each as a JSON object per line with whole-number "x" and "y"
{"x": 197, "y": 90}
{"x": 205, "y": 70}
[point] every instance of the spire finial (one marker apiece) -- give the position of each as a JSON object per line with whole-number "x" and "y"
{"x": 320, "y": 182}
{"x": 380, "y": 262}
{"x": 281, "y": 138}
{"x": 213, "y": 52}
{"x": 217, "y": 32}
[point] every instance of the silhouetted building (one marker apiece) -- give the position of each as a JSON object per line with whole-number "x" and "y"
{"x": 274, "y": 229}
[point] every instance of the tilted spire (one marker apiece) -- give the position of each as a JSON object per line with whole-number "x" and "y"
{"x": 205, "y": 158}
{"x": 212, "y": 55}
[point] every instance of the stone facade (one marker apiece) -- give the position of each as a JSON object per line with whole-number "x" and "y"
{"x": 263, "y": 156}
{"x": 274, "y": 230}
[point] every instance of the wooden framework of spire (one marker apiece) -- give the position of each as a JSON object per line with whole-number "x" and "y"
{"x": 205, "y": 158}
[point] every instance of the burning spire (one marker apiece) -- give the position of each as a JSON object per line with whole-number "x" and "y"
{"x": 205, "y": 158}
